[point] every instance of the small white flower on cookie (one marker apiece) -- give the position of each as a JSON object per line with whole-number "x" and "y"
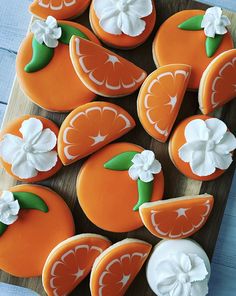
{"x": 47, "y": 31}
{"x": 9, "y": 208}
{"x": 144, "y": 166}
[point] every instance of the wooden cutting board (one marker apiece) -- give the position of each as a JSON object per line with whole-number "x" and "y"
{"x": 175, "y": 183}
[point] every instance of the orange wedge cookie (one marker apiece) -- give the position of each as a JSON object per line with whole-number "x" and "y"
{"x": 60, "y": 9}
{"x": 35, "y": 221}
{"x": 102, "y": 71}
{"x": 160, "y": 98}
{"x": 128, "y": 23}
{"x": 177, "y": 217}
{"x": 28, "y": 148}
{"x": 182, "y": 39}
{"x": 45, "y": 72}
{"x": 116, "y": 268}
{"x": 218, "y": 83}
{"x": 201, "y": 147}
{"x": 70, "y": 262}
{"x": 90, "y": 127}
{"x": 115, "y": 181}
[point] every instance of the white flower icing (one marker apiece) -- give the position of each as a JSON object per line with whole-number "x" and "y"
{"x": 144, "y": 166}
{"x": 47, "y": 32}
{"x": 214, "y": 22}
{"x": 9, "y": 208}
{"x": 123, "y": 16}
{"x": 31, "y": 153}
{"x": 208, "y": 146}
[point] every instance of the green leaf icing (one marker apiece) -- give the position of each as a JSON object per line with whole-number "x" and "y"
{"x": 42, "y": 56}
{"x": 192, "y": 24}
{"x": 212, "y": 44}
{"x": 121, "y": 162}
{"x": 145, "y": 193}
{"x": 3, "y": 228}
{"x": 68, "y": 32}
{"x": 28, "y": 200}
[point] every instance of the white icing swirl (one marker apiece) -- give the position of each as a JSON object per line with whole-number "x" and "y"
{"x": 9, "y": 208}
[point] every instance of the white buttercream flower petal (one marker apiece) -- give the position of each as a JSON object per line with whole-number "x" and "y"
{"x": 199, "y": 288}
{"x": 181, "y": 289}
{"x": 185, "y": 262}
{"x": 39, "y": 37}
{"x": 134, "y": 172}
{"x": 130, "y": 24}
{"x": 141, "y": 8}
{"x": 42, "y": 162}
{"x": 57, "y": 33}
{"x": 166, "y": 284}
{"x": 147, "y": 156}
{"x": 137, "y": 160}
{"x": 6, "y": 197}
{"x": 185, "y": 152}
{"x": 227, "y": 144}
{"x": 220, "y": 30}
{"x": 210, "y": 30}
{"x": 10, "y": 147}
{"x": 221, "y": 161}
{"x": 217, "y": 129}
{"x": 196, "y": 130}
{"x": 215, "y": 11}
{"x": 225, "y": 20}
{"x": 9, "y": 219}
{"x": 208, "y": 18}
{"x": 49, "y": 41}
{"x": 198, "y": 272}
{"x": 110, "y": 24}
{"x": 22, "y": 168}
{"x": 146, "y": 176}
{"x": 201, "y": 164}
{"x": 14, "y": 207}
{"x": 46, "y": 141}
{"x": 100, "y": 6}
{"x": 51, "y": 22}
{"x": 31, "y": 129}
{"x": 155, "y": 167}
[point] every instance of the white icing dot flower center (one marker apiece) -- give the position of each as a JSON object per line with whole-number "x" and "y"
{"x": 183, "y": 277}
{"x": 9, "y": 208}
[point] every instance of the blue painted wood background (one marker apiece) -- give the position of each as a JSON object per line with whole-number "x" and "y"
{"x": 14, "y": 20}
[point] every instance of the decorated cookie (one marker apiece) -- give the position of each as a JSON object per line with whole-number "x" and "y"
{"x": 192, "y": 37}
{"x": 122, "y": 24}
{"x": 102, "y": 71}
{"x": 201, "y": 147}
{"x": 60, "y": 9}
{"x": 179, "y": 268}
{"x": 218, "y": 83}
{"x": 177, "y": 217}
{"x": 115, "y": 181}
{"x": 70, "y": 262}
{"x": 160, "y": 98}
{"x": 90, "y": 127}
{"x": 28, "y": 148}
{"x": 116, "y": 268}
{"x": 44, "y": 68}
{"x": 33, "y": 220}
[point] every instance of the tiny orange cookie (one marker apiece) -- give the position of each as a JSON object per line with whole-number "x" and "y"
{"x": 177, "y": 218}
{"x": 218, "y": 83}
{"x": 115, "y": 181}
{"x": 90, "y": 127}
{"x": 201, "y": 147}
{"x": 102, "y": 71}
{"x": 128, "y": 23}
{"x": 181, "y": 39}
{"x": 70, "y": 262}
{"x": 160, "y": 98}
{"x": 44, "y": 70}
{"x": 33, "y": 220}
{"x": 60, "y": 9}
{"x": 116, "y": 268}
{"x": 28, "y": 148}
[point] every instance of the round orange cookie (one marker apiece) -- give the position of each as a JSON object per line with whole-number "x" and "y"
{"x": 173, "y": 45}
{"x": 124, "y": 38}
{"x": 160, "y": 98}
{"x": 116, "y": 268}
{"x": 71, "y": 261}
{"x": 60, "y": 9}
{"x": 32, "y": 156}
{"x": 55, "y": 87}
{"x": 90, "y": 127}
{"x": 109, "y": 197}
{"x": 41, "y": 225}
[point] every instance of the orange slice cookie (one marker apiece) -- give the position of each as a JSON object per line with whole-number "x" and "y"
{"x": 70, "y": 262}
{"x": 37, "y": 219}
{"x": 128, "y": 24}
{"x": 28, "y": 148}
{"x": 181, "y": 39}
{"x": 102, "y": 71}
{"x": 160, "y": 98}
{"x": 46, "y": 74}
{"x": 116, "y": 268}
{"x": 218, "y": 83}
{"x": 90, "y": 127}
{"x": 115, "y": 181}
{"x": 177, "y": 217}
{"x": 60, "y": 9}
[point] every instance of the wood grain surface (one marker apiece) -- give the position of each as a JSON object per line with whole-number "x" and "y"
{"x": 175, "y": 183}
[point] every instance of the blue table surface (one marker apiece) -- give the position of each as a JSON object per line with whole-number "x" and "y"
{"x": 14, "y": 20}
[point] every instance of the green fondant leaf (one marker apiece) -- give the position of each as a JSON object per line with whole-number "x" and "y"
{"x": 28, "y": 200}
{"x": 144, "y": 192}
{"x": 68, "y": 32}
{"x": 121, "y": 162}
{"x": 212, "y": 44}
{"x": 3, "y": 228}
{"x": 192, "y": 24}
{"x": 41, "y": 57}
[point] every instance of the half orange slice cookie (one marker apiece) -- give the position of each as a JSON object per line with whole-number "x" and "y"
{"x": 160, "y": 98}
{"x": 90, "y": 127}
{"x": 102, "y": 71}
{"x": 116, "y": 268}
{"x": 70, "y": 262}
{"x": 177, "y": 218}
